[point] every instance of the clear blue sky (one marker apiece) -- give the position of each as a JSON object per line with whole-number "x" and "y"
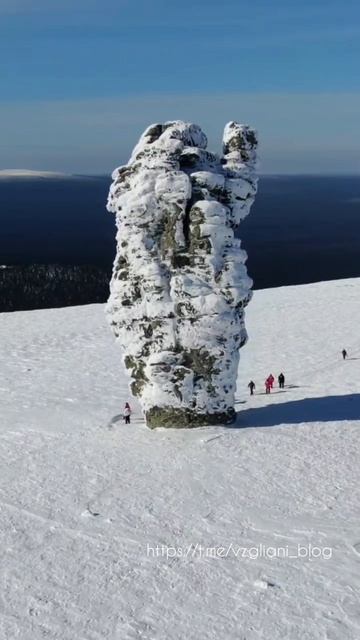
{"x": 78, "y": 85}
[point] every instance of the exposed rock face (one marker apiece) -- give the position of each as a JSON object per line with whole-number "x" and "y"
{"x": 179, "y": 284}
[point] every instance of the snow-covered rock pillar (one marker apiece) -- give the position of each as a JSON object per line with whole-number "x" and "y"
{"x": 180, "y": 286}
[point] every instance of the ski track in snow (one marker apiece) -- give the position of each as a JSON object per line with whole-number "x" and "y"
{"x": 82, "y": 495}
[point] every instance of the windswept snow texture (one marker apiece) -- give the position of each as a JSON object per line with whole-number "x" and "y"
{"x": 85, "y": 500}
{"x": 180, "y": 285}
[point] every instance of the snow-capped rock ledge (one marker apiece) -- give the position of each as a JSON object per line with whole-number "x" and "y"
{"x": 180, "y": 285}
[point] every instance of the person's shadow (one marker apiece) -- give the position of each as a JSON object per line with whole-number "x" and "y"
{"x": 326, "y": 409}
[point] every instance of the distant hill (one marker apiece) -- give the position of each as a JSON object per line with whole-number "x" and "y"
{"x": 28, "y": 173}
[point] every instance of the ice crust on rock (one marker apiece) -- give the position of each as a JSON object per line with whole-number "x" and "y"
{"x": 180, "y": 285}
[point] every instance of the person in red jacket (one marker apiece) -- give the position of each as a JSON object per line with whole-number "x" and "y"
{"x": 268, "y": 385}
{"x": 271, "y": 380}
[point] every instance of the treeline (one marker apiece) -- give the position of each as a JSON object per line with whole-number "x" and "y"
{"x": 47, "y": 286}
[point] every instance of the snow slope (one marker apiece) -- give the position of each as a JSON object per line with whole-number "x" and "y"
{"x": 84, "y": 500}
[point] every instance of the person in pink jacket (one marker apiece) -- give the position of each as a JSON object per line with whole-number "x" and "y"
{"x": 271, "y": 380}
{"x": 268, "y": 385}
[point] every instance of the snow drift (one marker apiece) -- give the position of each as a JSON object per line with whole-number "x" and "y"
{"x": 180, "y": 286}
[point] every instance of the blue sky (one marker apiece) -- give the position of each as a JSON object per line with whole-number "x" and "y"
{"x": 78, "y": 85}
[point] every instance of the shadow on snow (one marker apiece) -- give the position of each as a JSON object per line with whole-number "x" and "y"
{"x": 326, "y": 409}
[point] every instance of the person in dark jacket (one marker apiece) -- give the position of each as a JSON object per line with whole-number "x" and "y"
{"x": 127, "y": 413}
{"x": 344, "y": 354}
{"x": 281, "y": 380}
{"x": 251, "y": 386}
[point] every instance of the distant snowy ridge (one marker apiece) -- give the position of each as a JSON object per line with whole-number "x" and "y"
{"x": 29, "y": 173}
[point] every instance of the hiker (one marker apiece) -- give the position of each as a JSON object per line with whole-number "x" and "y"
{"x": 251, "y": 386}
{"x": 271, "y": 380}
{"x": 127, "y": 413}
{"x": 344, "y": 354}
{"x": 281, "y": 380}
{"x": 268, "y": 385}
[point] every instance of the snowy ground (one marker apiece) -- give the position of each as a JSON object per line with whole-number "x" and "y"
{"x": 84, "y": 500}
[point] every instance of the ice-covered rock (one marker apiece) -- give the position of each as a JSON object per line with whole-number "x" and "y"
{"x": 180, "y": 286}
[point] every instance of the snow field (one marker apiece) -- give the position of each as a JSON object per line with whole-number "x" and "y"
{"x": 105, "y": 529}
